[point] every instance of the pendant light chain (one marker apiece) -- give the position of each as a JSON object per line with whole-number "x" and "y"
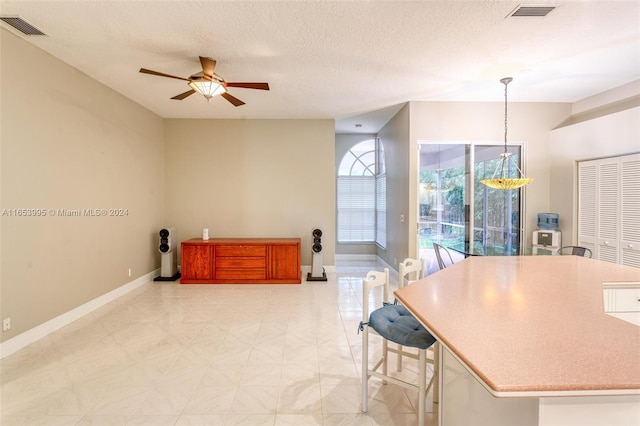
{"x": 505, "y": 114}
{"x": 505, "y": 81}
{"x": 500, "y": 179}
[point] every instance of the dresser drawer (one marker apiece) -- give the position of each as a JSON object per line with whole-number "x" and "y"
{"x": 241, "y": 274}
{"x": 240, "y": 263}
{"x": 624, "y": 300}
{"x": 623, "y": 303}
{"x": 240, "y": 250}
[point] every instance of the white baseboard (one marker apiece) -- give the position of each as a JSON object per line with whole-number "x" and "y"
{"x": 393, "y": 272}
{"x": 305, "y": 269}
{"x": 352, "y": 257}
{"x": 22, "y": 340}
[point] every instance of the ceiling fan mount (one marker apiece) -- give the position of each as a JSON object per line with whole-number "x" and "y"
{"x": 208, "y": 83}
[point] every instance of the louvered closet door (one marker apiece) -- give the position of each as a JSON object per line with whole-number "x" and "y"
{"x": 609, "y": 208}
{"x": 587, "y": 205}
{"x": 608, "y": 196}
{"x": 630, "y": 208}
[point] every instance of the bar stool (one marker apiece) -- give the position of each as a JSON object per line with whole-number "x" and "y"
{"x": 576, "y": 251}
{"x": 393, "y": 323}
{"x": 441, "y": 251}
{"x": 409, "y": 271}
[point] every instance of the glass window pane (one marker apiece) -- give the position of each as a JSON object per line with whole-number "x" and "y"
{"x": 346, "y": 163}
{"x": 443, "y": 198}
{"x": 496, "y": 212}
{"x": 361, "y": 196}
{"x": 381, "y": 210}
{"x": 442, "y": 194}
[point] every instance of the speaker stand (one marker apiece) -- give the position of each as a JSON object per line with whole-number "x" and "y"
{"x": 173, "y": 278}
{"x": 312, "y": 278}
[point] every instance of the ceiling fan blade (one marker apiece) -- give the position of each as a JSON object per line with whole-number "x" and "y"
{"x": 260, "y": 86}
{"x": 235, "y": 101}
{"x": 161, "y": 74}
{"x": 208, "y": 66}
{"x": 181, "y": 96}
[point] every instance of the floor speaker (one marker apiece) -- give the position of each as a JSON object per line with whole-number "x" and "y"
{"x": 317, "y": 270}
{"x": 168, "y": 248}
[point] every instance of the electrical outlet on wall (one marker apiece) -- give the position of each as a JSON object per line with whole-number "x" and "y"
{"x": 6, "y": 324}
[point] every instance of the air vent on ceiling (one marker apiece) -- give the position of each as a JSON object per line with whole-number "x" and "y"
{"x": 21, "y": 25}
{"x": 536, "y": 11}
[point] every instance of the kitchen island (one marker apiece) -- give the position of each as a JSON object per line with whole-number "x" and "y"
{"x": 525, "y": 340}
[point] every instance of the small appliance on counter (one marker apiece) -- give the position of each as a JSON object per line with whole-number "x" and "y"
{"x": 547, "y": 238}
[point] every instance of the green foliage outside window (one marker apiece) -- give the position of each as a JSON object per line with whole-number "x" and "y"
{"x": 496, "y": 212}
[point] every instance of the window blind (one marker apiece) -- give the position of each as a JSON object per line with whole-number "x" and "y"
{"x": 381, "y": 210}
{"x": 356, "y": 197}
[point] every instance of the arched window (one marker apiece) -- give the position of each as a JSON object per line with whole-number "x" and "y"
{"x": 361, "y": 195}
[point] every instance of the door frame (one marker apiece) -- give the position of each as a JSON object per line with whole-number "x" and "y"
{"x": 470, "y": 193}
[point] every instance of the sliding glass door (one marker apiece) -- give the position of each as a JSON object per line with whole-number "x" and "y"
{"x": 443, "y": 195}
{"x": 456, "y": 209}
{"x": 497, "y": 213}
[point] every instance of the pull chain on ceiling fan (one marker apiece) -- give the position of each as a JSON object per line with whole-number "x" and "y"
{"x": 208, "y": 83}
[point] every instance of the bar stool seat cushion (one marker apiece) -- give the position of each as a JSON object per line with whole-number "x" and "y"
{"x": 396, "y": 324}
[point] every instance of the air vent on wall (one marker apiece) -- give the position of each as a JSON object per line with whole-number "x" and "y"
{"x": 21, "y": 25}
{"x": 536, "y": 11}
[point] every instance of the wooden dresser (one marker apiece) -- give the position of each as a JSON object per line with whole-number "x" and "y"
{"x": 241, "y": 261}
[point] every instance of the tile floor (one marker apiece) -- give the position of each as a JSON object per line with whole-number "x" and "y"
{"x": 171, "y": 354}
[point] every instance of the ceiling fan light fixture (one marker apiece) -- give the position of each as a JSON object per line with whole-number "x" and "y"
{"x": 208, "y": 88}
{"x": 209, "y": 84}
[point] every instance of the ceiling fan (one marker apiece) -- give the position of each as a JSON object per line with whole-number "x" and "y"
{"x": 209, "y": 83}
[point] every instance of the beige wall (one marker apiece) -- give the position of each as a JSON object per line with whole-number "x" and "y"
{"x": 395, "y": 139}
{"x": 252, "y": 178}
{"x": 605, "y": 136}
{"x": 69, "y": 142}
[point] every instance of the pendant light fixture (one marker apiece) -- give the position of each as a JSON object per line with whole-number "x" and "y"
{"x": 500, "y": 178}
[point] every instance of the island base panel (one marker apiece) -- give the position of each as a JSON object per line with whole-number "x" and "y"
{"x": 465, "y": 401}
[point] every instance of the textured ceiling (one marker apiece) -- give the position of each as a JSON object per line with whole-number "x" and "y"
{"x": 355, "y": 61}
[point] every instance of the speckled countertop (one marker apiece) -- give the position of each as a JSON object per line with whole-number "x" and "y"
{"x": 532, "y": 324}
